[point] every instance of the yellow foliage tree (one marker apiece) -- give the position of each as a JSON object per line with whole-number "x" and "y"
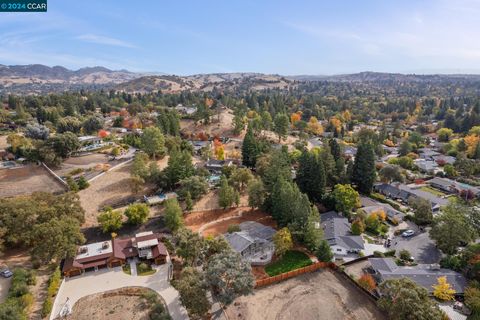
{"x": 346, "y": 116}
{"x": 283, "y": 241}
{"x": 471, "y": 141}
{"x": 442, "y": 290}
{"x": 314, "y": 126}
{"x": 336, "y": 123}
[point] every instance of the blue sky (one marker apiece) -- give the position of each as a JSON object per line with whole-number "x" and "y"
{"x": 282, "y": 37}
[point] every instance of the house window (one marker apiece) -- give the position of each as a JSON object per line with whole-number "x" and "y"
{"x": 339, "y": 250}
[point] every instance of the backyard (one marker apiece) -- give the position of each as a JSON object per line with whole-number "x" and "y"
{"x": 291, "y": 260}
{"x": 317, "y": 295}
{"x": 433, "y": 191}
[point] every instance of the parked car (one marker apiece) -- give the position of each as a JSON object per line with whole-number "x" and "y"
{"x": 408, "y": 233}
{"x": 6, "y": 273}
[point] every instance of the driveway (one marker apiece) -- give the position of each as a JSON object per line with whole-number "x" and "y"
{"x": 4, "y": 287}
{"x": 109, "y": 279}
{"x": 420, "y": 246}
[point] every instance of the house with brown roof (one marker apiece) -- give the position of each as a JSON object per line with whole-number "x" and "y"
{"x": 115, "y": 253}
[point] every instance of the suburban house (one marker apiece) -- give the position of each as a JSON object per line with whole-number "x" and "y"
{"x": 424, "y": 275}
{"x": 427, "y": 166}
{"x": 428, "y": 154}
{"x": 404, "y": 193}
{"x": 253, "y": 242}
{"x": 185, "y": 110}
{"x": 452, "y": 186}
{"x": 216, "y": 166}
{"x": 337, "y": 232}
{"x": 115, "y": 253}
{"x": 393, "y": 215}
{"x": 199, "y": 145}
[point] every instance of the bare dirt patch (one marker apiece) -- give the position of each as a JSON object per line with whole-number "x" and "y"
{"x": 26, "y": 180}
{"x": 126, "y": 303}
{"x": 196, "y": 220}
{"x": 106, "y": 190}
{"x": 221, "y": 125}
{"x": 318, "y": 295}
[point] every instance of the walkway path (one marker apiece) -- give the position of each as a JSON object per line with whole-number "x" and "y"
{"x": 133, "y": 268}
{"x": 111, "y": 279}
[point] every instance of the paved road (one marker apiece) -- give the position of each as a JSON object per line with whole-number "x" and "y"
{"x": 95, "y": 282}
{"x": 420, "y": 246}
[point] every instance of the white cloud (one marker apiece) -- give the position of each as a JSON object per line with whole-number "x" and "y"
{"x": 93, "y": 38}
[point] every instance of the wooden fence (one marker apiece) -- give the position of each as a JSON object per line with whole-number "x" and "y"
{"x": 293, "y": 273}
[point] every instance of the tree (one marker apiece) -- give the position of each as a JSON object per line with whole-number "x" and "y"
{"x": 110, "y": 220}
{"x": 55, "y": 239}
{"x": 443, "y": 290}
{"x": 472, "y": 297}
{"x": 226, "y": 194}
{"x": 283, "y": 241}
{"x": 173, "y": 215}
{"x": 451, "y": 227}
{"x": 193, "y": 293}
{"x": 311, "y": 176}
{"x": 404, "y": 299}
{"x": 229, "y": 276}
{"x": 69, "y": 124}
{"x": 136, "y": 184}
{"x": 256, "y": 193}
{"x": 313, "y": 233}
{"x": 324, "y": 252}
{"x": 241, "y": 177}
{"x": 179, "y": 167}
{"x": 364, "y": 168}
{"x": 64, "y": 144}
{"x": 367, "y": 282}
{"x": 188, "y": 202}
{"x": 196, "y": 186}
{"x": 423, "y": 210}
{"x": 137, "y": 213}
{"x": 37, "y": 132}
{"x": 391, "y": 173}
{"x": 280, "y": 126}
{"x": 444, "y": 134}
{"x": 250, "y": 149}
{"x": 346, "y": 198}
{"x": 153, "y": 142}
{"x": 190, "y": 246}
{"x": 405, "y": 148}
{"x": 358, "y": 227}
{"x": 92, "y": 124}
{"x": 82, "y": 183}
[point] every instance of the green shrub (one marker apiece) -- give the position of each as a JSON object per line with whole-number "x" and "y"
{"x": 390, "y": 253}
{"x": 233, "y": 228}
{"x": 82, "y": 183}
{"x": 378, "y": 254}
{"x": 47, "y": 307}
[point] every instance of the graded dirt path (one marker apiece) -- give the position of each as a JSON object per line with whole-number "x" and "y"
{"x": 318, "y": 295}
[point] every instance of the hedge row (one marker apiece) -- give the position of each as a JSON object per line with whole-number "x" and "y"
{"x": 19, "y": 298}
{"x": 53, "y": 285}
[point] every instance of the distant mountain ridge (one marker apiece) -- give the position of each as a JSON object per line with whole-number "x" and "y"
{"x": 37, "y": 78}
{"x": 40, "y": 79}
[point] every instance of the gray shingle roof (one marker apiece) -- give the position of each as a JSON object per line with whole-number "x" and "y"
{"x": 251, "y": 232}
{"x": 337, "y": 231}
{"x": 423, "y": 275}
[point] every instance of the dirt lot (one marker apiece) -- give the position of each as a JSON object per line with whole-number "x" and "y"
{"x": 318, "y": 295}
{"x": 210, "y": 201}
{"x": 26, "y": 180}
{"x": 111, "y": 306}
{"x": 220, "y": 126}
{"x": 356, "y": 269}
{"x": 196, "y": 220}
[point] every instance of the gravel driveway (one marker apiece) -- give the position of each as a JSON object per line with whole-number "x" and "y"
{"x": 110, "y": 279}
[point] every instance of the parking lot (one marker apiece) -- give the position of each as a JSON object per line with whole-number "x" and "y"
{"x": 420, "y": 246}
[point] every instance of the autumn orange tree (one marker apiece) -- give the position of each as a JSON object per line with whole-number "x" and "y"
{"x": 367, "y": 282}
{"x": 314, "y": 126}
{"x": 219, "y": 149}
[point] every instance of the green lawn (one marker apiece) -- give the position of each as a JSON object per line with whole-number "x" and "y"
{"x": 291, "y": 260}
{"x": 144, "y": 269}
{"x": 432, "y": 191}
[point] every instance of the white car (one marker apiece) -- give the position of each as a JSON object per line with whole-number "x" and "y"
{"x": 408, "y": 233}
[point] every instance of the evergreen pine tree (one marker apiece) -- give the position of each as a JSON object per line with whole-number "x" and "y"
{"x": 364, "y": 168}
{"x": 335, "y": 149}
{"x": 250, "y": 150}
{"x": 311, "y": 176}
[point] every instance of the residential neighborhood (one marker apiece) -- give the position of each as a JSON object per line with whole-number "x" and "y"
{"x": 222, "y": 160}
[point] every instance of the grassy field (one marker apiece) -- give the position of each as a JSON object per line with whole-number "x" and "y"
{"x": 432, "y": 191}
{"x": 291, "y": 260}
